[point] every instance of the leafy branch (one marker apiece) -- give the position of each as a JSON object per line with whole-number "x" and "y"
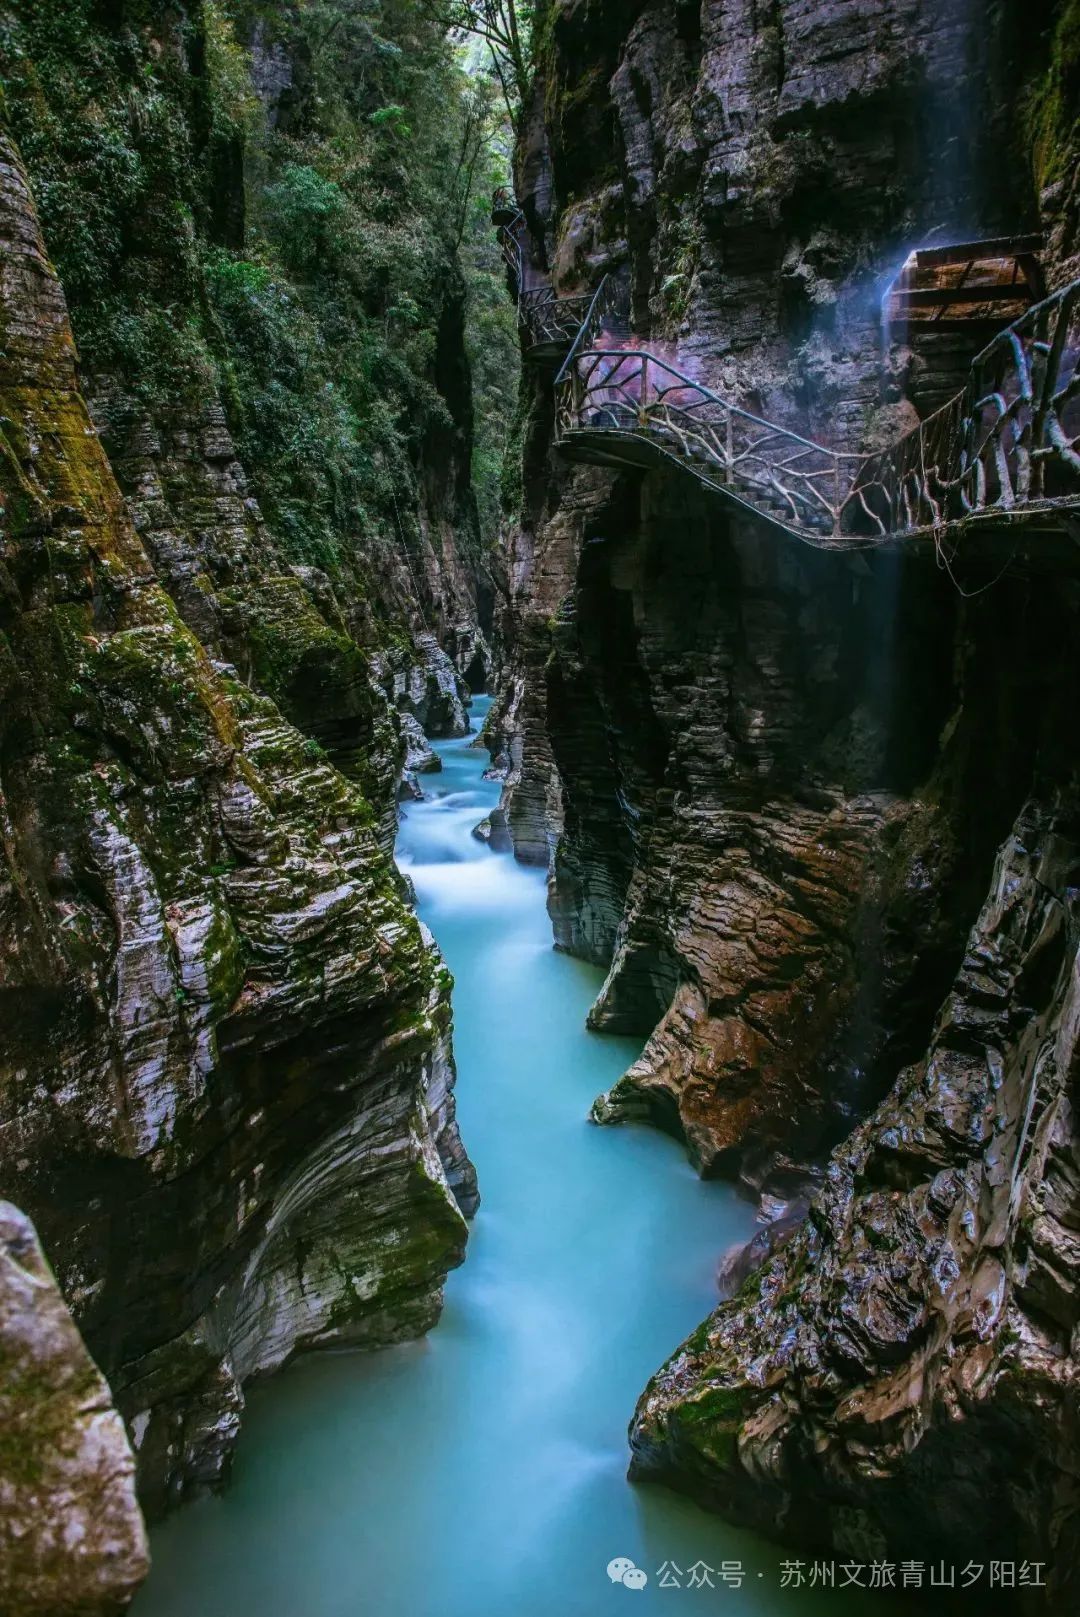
{"x": 505, "y": 27}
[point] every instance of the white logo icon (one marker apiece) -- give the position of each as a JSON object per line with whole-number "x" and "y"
{"x": 622, "y": 1570}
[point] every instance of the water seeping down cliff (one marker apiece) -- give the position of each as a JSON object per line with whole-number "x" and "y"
{"x": 816, "y": 811}
{"x": 813, "y": 811}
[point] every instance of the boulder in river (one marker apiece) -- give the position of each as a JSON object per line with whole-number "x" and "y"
{"x": 420, "y": 756}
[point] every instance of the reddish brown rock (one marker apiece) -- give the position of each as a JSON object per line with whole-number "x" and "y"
{"x": 902, "y": 1379}
{"x": 775, "y": 781}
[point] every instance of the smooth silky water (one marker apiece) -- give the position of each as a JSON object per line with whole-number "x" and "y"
{"x": 482, "y": 1471}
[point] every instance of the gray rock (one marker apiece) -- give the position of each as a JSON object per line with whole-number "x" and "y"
{"x": 921, "y": 1326}
{"x": 737, "y": 1265}
{"x": 227, "y": 1016}
{"x": 420, "y": 757}
{"x": 499, "y": 768}
{"x": 771, "y": 784}
{"x": 431, "y": 691}
{"x": 72, "y": 1540}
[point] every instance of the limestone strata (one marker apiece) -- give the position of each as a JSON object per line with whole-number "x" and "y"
{"x": 772, "y": 783}
{"x": 72, "y": 1541}
{"x": 903, "y": 1376}
{"x": 764, "y": 782}
{"x": 431, "y": 690}
{"x": 225, "y": 1038}
{"x": 282, "y": 626}
{"x": 725, "y": 747}
{"x": 420, "y": 757}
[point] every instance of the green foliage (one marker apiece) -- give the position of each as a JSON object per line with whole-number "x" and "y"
{"x": 504, "y": 31}
{"x": 1053, "y": 111}
{"x": 294, "y": 425}
{"x": 297, "y": 258}
{"x": 302, "y": 214}
{"x": 491, "y": 329}
{"x": 106, "y": 138}
{"x": 393, "y": 117}
{"x": 234, "y": 106}
{"x": 511, "y": 490}
{"x": 495, "y": 359}
{"x": 682, "y": 249}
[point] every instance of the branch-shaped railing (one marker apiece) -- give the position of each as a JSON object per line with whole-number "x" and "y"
{"x": 1010, "y": 443}
{"x": 605, "y": 314}
{"x": 550, "y": 321}
{"x": 511, "y": 226}
{"x": 629, "y": 393}
{"x": 548, "y": 324}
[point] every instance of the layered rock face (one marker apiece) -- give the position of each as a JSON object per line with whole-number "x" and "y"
{"x": 768, "y": 766}
{"x": 72, "y": 1541}
{"x": 738, "y": 738}
{"x": 903, "y": 1379}
{"x": 226, "y": 1093}
{"x": 210, "y": 306}
{"x": 776, "y": 785}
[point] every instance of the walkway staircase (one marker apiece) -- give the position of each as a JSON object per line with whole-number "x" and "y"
{"x": 548, "y": 324}
{"x": 1006, "y": 450}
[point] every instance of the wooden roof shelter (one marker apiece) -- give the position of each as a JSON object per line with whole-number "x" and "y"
{"x": 975, "y": 282}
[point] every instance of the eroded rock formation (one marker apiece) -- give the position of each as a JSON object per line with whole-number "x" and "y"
{"x": 908, "y": 1361}
{"x": 227, "y": 1086}
{"x": 775, "y": 785}
{"x": 72, "y": 1541}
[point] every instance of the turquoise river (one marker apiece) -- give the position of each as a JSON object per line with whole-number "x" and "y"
{"x": 482, "y": 1472}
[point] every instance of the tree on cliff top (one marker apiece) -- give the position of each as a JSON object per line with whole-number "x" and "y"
{"x": 505, "y": 27}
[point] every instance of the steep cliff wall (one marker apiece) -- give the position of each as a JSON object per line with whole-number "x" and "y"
{"x": 225, "y": 1091}
{"x": 742, "y": 742}
{"x": 272, "y": 330}
{"x": 771, "y": 760}
{"x": 902, "y": 1380}
{"x": 776, "y": 785}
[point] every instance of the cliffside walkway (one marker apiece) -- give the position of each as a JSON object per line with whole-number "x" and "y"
{"x": 1006, "y": 450}
{"x": 549, "y": 325}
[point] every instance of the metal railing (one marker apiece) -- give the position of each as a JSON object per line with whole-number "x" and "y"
{"x": 629, "y": 392}
{"x": 1009, "y": 443}
{"x": 511, "y": 226}
{"x": 550, "y": 321}
{"x": 605, "y": 313}
{"x": 548, "y": 324}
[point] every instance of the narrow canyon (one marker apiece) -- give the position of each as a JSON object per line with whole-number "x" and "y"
{"x": 539, "y": 571}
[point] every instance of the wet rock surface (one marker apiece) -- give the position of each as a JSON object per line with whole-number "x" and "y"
{"x": 765, "y": 757}
{"x": 225, "y": 1038}
{"x": 72, "y": 1541}
{"x": 909, "y": 1357}
{"x": 431, "y": 691}
{"x": 420, "y": 756}
{"x": 775, "y": 787}
{"x": 737, "y": 1265}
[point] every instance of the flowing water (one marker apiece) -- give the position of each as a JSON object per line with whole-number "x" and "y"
{"x": 482, "y": 1472}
